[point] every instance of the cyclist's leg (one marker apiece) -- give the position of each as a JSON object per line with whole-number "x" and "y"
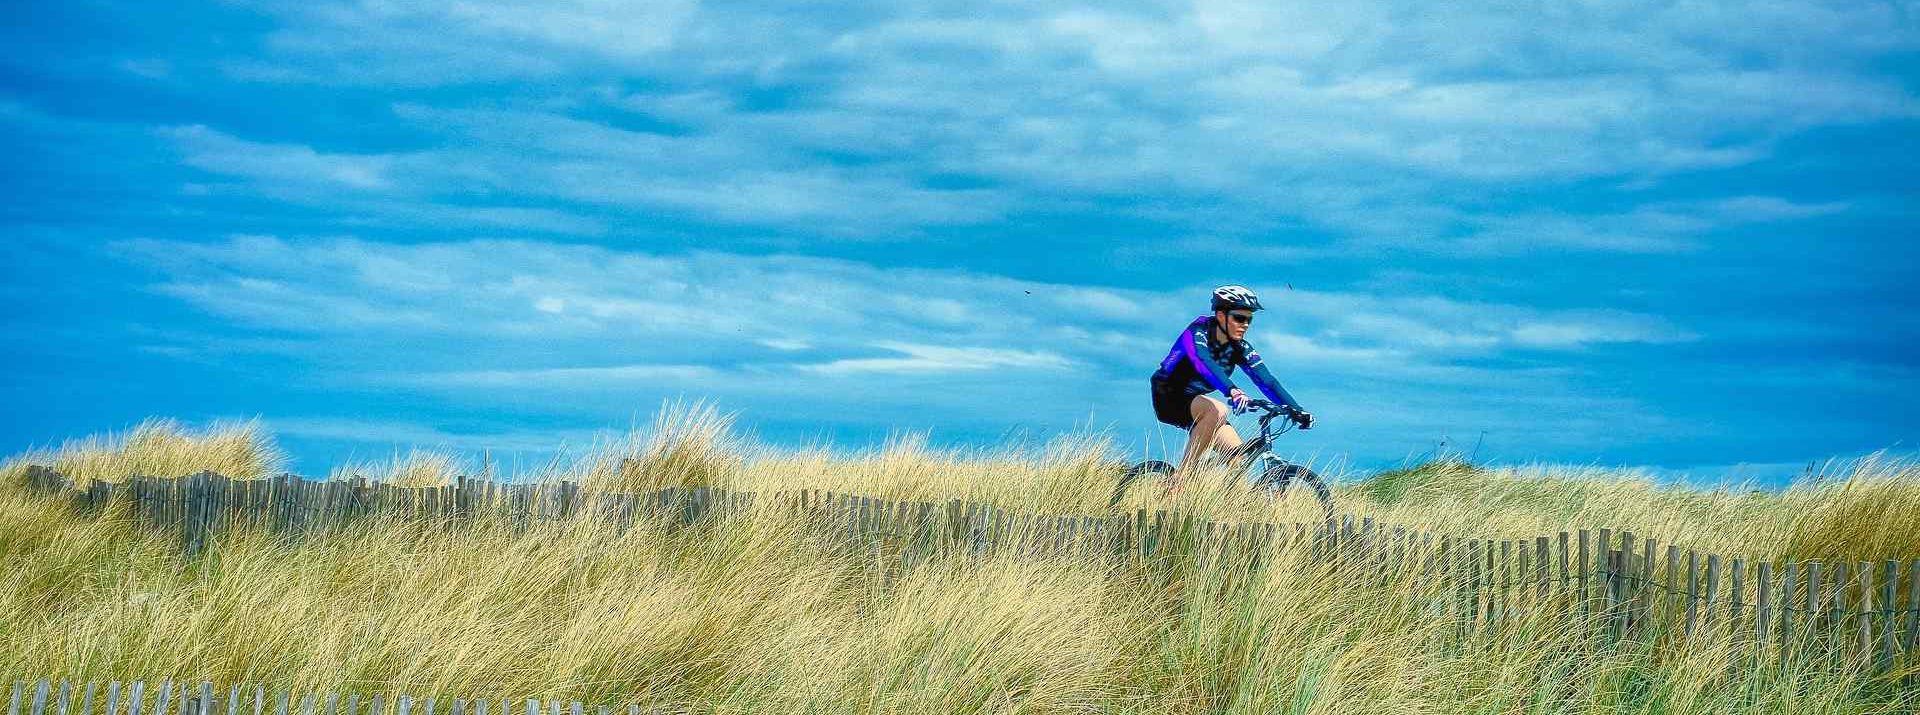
{"x": 1209, "y": 416}
{"x": 1225, "y": 441}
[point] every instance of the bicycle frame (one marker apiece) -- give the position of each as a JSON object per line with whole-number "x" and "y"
{"x": 1260, "y": 446}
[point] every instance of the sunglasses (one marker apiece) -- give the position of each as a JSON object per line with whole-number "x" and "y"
{"x": 1241, "y": 318}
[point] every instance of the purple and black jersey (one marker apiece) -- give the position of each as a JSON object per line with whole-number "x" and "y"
{"x": 1196, "y": 366}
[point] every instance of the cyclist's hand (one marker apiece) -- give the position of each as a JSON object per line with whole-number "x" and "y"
{"x": 1303, "y": 418}
{"x": 1238, "y": 400}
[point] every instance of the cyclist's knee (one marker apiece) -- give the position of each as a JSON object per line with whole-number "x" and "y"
{"x": 1209, "y": 410}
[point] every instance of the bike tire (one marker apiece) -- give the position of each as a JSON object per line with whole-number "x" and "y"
{"x": 1136, "y": 473}
{"x": 1278, "y": 477}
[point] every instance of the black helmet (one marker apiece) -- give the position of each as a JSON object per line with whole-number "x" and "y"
{"x": 1230, "y": 297}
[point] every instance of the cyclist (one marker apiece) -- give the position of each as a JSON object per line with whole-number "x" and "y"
{"x": 1201, "y": 361}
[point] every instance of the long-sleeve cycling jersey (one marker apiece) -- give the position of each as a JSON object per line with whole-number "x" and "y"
{"x": 1197, "y": 365}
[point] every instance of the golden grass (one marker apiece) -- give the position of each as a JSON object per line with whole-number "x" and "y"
{"x": 1872, "y": 514}
{"x": 160, "y": 448}
{"x": 415, "y": 468}
{"x": 688, "y": 444}
{"x": 770, "y": 614}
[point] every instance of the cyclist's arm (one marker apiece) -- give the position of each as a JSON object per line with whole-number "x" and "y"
{"x": 1188, "y": 347}
{"x": 1263, "y": 379}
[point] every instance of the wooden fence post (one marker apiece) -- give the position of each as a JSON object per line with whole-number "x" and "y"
{"x": 1738, "y": 596}
{"x": 1692, "y": 592}
{"x": 1630, "y": 587}
{"x": 1471, "y": 579}
{"x": 1585, "y": 563}
{"x": 1649, "y": 553}
{"x": 1542, "y": 576}
{"x": 1608, "y": 577}
{"x": 1815, "y": 610}
{"x": 1565, "y": 584}
{"x": 1762, "y": 605}
{"x": 1712, "y": 596}
{"x": 1788, "y": 597}
{"x": 1497, "y": 596}
{"x": 1913, "y": 614}
{"x": 1865, "y": 572}
{"x": 1889, "y": 626}
{"x": 1837, "y": 610}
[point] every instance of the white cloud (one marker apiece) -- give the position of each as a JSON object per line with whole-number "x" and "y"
{"x": 281, "y": 164}
{"x": 567, "y": 378}
{"x": 511, "y": 290}
{"x": 1594, "y": 329}
{"x": 1774, "y": 208}
{"x": 632, "y": 328}
{"x": 940, "y": 359}
{"x": 1269, "y": 109}
{"x": 738, "y": 174}
{"x": 402, "y": 435}
{"x": 372, "y": 190}
{"x": 1653, "y": 228}
{"x": 431, "y": 43}
{"x": 1419, "y": 328}
{"x": 149, "y": 68}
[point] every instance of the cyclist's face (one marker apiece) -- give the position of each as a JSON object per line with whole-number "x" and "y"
{"x": 1236, "y": 322}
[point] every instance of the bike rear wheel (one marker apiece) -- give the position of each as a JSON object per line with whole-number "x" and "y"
{"x": 1150, "y": 469}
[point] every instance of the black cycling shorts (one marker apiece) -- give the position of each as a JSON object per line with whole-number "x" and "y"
{"x": 1173, "y": 407}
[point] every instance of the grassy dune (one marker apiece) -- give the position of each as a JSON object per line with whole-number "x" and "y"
{"x": 768, "y": 614}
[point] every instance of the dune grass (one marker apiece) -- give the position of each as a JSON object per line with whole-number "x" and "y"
{"x": 771, "y": 614}
{"x": 159, "y": 448}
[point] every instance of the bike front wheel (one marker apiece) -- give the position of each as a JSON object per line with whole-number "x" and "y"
{"x": 1281, "y": 475}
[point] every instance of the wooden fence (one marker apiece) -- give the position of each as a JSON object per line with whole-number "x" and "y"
{"x": 46, "y": 697}
{"x": 1844, "y": 614}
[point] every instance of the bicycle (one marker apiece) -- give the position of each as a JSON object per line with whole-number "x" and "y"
{"x": 1276, "y": 474}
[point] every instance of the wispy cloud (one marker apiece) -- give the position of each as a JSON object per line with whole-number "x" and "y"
{"x": 567, "y": 378}
{"x": 551, "y": 315}
{"x": 402, "y": 435}
{"x": 284, "y": 165}
{"x": 534, "y": 291}
{"x": 372, "y": 190}
{"x": 1000, "y": 212}
{"x": 871, "y": 107}
{"x": 940, "y": 359}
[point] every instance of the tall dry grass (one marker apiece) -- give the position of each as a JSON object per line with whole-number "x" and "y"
{"x": 770, "y": 614}
{"x": 413, "y": 468}
{"x": 159, "y": 448}
{"x": 687, "y": 444}
{"x": 1862, "y": 510}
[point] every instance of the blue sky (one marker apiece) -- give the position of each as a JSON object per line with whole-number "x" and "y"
{"x": 1675, "y": 236}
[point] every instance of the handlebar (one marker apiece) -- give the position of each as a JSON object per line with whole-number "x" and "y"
{"x": 1272, "y": 410}
{"x": 1268, "y": 406}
